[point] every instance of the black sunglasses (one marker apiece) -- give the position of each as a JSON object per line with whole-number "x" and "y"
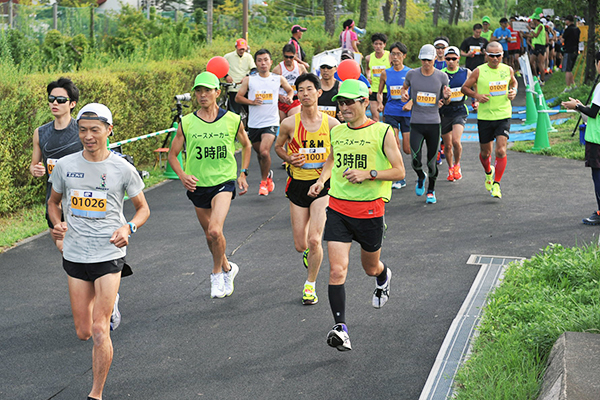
{"x": 349, "y": 102}
{"x": 289, "y": 57}
{"x": 58, "y": 99}
{"x": 495, "y": 55}
{"x": 451, "y": 58}
{"x": 326, "y": 67}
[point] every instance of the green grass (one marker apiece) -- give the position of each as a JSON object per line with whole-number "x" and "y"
{"x": 30, "y": 221}
{"x": 556, "y": 291}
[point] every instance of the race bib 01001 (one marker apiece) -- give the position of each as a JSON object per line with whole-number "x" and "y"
{"x": 88, "y": 204}
{"x": 395, "y": 93}
{"x": 266, "y": 97}
{"x": 50, "y": 163}
{"x": 329, "y": 110}
{"x": 498, "y": 88}
{"x": 314, "y": 157}
{"x": 426, "y": 99}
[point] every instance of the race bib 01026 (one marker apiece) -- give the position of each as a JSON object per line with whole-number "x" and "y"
{"x": 498, "y": 88}
{"x": 395, "y": 93}
{"x": 426, "y": 99}
{"x": 88, "y": 204}
{"x": 50, "y": 163}
{"x": 266, "y": 97}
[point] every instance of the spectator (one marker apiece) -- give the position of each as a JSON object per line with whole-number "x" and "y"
{"x": 473, "y": 48}
{"x": 240, "y": 65}
{"x": 297, "y": 32}
{"x": 570, "y": 50}
{"x": 348, "y": 38}
{"x": 486, "y": 32}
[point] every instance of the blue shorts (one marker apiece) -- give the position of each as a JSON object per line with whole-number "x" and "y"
{"x": 202, "y": 196}
{"x": 400, "y": 123}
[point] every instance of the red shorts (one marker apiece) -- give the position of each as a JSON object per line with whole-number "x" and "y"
{"x": 287, "y": 107}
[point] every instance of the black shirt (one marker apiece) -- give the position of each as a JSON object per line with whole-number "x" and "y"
{"x": 300, "y": 52}
{"x": 326, "y": 98}
{"x": 571, "y": 39}
{"x": 475, "y": 61}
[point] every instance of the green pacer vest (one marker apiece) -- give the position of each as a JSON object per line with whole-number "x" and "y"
{"x": 359, "y": 149}
{"x": 210, "y": 148}
{"x": 541, "y": 39}
{"x": 592, "y": 131}
{"x": 494, "y": 83}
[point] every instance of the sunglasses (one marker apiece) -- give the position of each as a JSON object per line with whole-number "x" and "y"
{"x": 349, "y": 102}
{"x": 494, "y": 55}
{"x": 326, "y": 67}
{"x": 451, "y": 58}
{"x": 58, "y": 99}
{"x": 289, "y": 57}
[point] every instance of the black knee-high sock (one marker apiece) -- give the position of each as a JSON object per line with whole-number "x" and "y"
{"x": 596, "y": 179}
{"x": 337, "y": 302}
{"x": 382, "y": 277}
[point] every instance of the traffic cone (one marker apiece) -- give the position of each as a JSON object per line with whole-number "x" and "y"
{"x": 542, "y": 105}
{"x": 541, "y": 135}
{"x": 530, "y": 108}
{"x": 169, "y": 173}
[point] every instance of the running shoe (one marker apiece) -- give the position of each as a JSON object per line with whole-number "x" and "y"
{"x": 439, "y": 157}
{"x": 489, "y": 179}
{"x": 228, "y": 278}
{"x": 115, "y": 318}
{"x": 305, "y": 258}
{"x": 399, "y": 184}
{"x": 382, "y": 293}
{"x": 338, "y": 337}
{"x": 262, "y": 189}
{"x": 430, "y": 199}
{"x": 442, "y": 155}
{"x": 496, "y": 190}
{"x": 457, "y": 172}
{"x": 217, "y": 286}
{"x": 309, "y": 296}
{"x": 450, "y": 177}
{"x": 420, "y": 188}
{"x": 270, "y": 183}
{"x": 594, "y": 219}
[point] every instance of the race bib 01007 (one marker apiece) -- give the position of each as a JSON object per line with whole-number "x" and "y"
{"x": 498, "y": 88}
{"x": 88, "y": 204}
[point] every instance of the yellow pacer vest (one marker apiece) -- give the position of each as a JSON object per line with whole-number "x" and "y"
{"x": 210, "y": 148}
{"x": 315, "y": 146}
{"x": 494, "y": 83}
{"x": 377, "y": 66}
{"x": 359, "y": 149}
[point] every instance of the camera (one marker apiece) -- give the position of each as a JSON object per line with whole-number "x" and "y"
{"x": 183, "y": 97}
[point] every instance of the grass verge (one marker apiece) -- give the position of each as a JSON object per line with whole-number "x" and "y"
{"x": 30, "y": 221}
{"x": 554, "y": 292}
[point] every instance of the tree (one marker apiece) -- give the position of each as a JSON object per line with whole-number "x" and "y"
{"x": 402, "y": 13}
{"x": 329, "y": 17}
{"x": 203, "y": 4}
{"x": 364, "y": 14}
{"x": 436, "y": 12}
{"x": 590, "y": 65}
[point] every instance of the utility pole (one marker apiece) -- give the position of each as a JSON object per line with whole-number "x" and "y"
{"x": 209, "y": 21}
{"x": 245, "y": 20}
{"x": 55, "y": 16}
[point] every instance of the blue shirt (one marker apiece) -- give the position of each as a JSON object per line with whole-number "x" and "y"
{"x": 394, "y": 81}
{"x": 502, "y": 35}
{"x": 360, "y": 78}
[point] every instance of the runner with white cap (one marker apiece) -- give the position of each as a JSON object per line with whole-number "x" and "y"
{"x": 440, "y": 43}
{"x": 330, "y": 87}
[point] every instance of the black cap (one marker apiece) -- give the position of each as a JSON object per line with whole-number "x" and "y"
{"x": 570, "y": 18}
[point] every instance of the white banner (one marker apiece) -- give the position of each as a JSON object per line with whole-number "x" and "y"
{"x": 548, "y": 11}
{"x": 526, "y": 71}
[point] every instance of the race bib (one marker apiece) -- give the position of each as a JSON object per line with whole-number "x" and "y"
{"x": 426, "y": 99}
{"x": 377, "y": 70}
{"x": 294, "y": 89}
{"x": 395, "y": 93}
{"x": 50, "y": 163}
{"x": 476, "y": 49}
{"x": 266, "y": 97}
{"x": 498, "y": 88}
{"x": 329, "y": 110}
{"x": 88, "y": 204}
{"x": 314, "y": 157}
{"x": 456, "y": 95}
{"x": 512, "y": 39}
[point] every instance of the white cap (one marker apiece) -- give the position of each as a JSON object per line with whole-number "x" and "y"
{"x": 440, "y": 41}
{"x": 452, "y": 50}
{"x": 427, "y": 52}
{"x": 551, "y": 24}
{"x": 328, "y": 60}
{"x": 543, "y": 21}
{"x": 102, "y": 112}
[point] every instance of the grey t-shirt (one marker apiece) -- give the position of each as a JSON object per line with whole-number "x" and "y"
{"x": 92, "y": 202}
{"x": 426, "y": 92}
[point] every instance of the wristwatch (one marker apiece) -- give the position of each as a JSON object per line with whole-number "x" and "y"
{"x": 373, "y": 174}
{"x": 245, "y": 171}
{"x": 132, "y": 226}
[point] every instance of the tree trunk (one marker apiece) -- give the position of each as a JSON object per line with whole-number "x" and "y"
{"x": 457, "y": 12}
{"x": 329, "y": 17}
{"x": 402, "y": 13}
{"x": 452, "y": 4}
{"x": 436, "y": 12}
{"x": 364, "y": 14}
{"x": 387, "y": 11}
{"x": 590, "y": 65}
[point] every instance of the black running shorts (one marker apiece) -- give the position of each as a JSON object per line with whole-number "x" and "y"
{"x": 489, "y": 130}
{"x": 255, "y": 134}
{"x": 367, "y": 232}
{"x": 592, "y": 155}
{"x": 202, "y": 196}
{"x": 297, "y": 191}
{"x": 92, "y": 271}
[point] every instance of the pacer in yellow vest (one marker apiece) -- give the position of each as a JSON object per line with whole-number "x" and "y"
{"x": 306, "y": 136}
{"x": 363, "y": 162}
{"x": 210, "y": 172}
{"x": 496, "y": 88}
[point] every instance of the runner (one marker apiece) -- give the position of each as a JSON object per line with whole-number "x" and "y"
{"x": 364, "y": 159}
{"x": 454, "y": 115}
{"x": 514, "y": 46}
{"x": 486, "y": 33}
{"x": 538, "y": 42}
{"x": 377, "y": 62}
{"x": 91, "y": 186}
{"x": 496, "y": 88}
{"x": 57, "y": 138}
{"x": 429, "y": 90}
{"x": 592, "y": 140}
{"x": 240, "y": 65}
{"x": 440, "y": 43}
{"x": 502, "y": 36}
{"x": 349, "y": 38}
{"x": 329, "y": 86}
{"x": 290, "y": 69}
{"x": 396, "y": 112}
{"x": 209, "y": 136}
{"x": 297, "y": 32}
{"x": 473, "y": 48}
{"x": 570, "y": 49}
{"x": 263, "y": 114}
{"x": 307, "y": 138}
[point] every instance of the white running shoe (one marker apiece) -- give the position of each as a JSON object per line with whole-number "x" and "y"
{"x": 338, "y": 337}
{"x": 228, "y": 278}
{"x": 217, "y": 286}
{"x": 382, "y": 293}
{"x": 115, "y": 318}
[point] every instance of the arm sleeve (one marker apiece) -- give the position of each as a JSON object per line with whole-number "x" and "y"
{"x": 591, "y": 112}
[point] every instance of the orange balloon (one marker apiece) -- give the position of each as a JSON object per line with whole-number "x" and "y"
{"x": 348, "y": 69}
{"x": 218, "y": 65}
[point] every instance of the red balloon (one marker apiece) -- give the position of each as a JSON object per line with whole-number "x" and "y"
{"x": 348, "y": 69}
{"x": 218, "y": 65}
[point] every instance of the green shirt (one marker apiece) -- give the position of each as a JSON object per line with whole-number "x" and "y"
{"x": 541, "y": 39}
{"x": 210, "y": 148}
{"x": 377, "y": 66}
{"x": 494, "y": 83}
{"x": 360, "y": 148}
{"x": 592, "y": 131}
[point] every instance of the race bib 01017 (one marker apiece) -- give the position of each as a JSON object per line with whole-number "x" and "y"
{"x": 266, "y": 97}
{"x": 426, "y": 99}
{"x": 88, "y": 204}
{"x": 498, "y": 88}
